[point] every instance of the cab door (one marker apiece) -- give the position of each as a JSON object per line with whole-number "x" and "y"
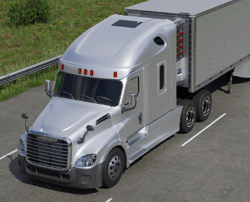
{"x": 133, "y": 119}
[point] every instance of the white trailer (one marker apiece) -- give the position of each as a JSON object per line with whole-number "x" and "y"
{"x": 129, "y": 83}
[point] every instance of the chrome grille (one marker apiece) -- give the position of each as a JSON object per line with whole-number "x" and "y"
{"x": 47, "y": 152}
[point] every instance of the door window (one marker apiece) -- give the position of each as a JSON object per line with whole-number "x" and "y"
{"x": 132, "y": 87}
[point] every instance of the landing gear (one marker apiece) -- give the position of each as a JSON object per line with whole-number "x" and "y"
{"x": 229, "y": 84}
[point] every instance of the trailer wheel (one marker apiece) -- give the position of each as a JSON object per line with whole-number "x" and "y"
{"x": 113, "y": 168}
{"x": 203, "y": 101}
{"x": 188, "y": 115}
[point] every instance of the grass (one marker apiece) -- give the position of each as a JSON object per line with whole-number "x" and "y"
{"x": 23, "y": 46}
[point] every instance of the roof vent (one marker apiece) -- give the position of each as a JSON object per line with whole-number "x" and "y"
{"x": 105, "y": 117}
{"x": 126, "y": 23}
{"x": 158, "y": 40}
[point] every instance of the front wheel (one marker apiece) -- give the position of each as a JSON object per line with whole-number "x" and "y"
{"x": 188, "y": 115}
{"x": 113, "y": 168}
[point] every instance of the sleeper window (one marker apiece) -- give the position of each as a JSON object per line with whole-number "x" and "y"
{"x": 161, "y": 74}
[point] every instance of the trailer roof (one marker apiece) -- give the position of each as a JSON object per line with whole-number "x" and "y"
{"x": 192, "y": 7}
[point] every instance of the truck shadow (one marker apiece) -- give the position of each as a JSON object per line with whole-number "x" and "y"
{"x": 13, "y": 167}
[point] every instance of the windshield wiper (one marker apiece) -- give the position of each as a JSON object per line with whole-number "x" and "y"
{"x": 88, "y": 98}
{"x": 69, "y": 94}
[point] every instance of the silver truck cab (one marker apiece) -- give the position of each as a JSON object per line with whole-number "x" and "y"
{"x": 114, "y": 98}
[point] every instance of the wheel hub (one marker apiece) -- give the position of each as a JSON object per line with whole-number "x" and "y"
{"x": 114, "y": 167}
{"x": 190, "y": 117}
{"x": 206, "y": 105}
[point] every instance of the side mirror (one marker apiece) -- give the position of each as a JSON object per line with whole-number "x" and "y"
{"x": 47, "y": 85}
{"x": 26, "y": 116}
{"x": 89, "y": 128}
{"x": 131, "y": 103}
{"x": 132, "y": 100}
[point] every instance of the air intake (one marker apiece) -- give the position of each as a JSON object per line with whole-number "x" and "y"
{"x": 105, "y": 117}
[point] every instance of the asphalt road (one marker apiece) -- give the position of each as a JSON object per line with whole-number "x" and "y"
{"x": 214, "y": 166}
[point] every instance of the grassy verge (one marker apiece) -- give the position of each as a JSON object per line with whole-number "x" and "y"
{"x": 20, "y": 85}
{"x": 27, "y": 45}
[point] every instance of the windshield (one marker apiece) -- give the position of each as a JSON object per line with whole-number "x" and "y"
{"x": 100, "y": 91}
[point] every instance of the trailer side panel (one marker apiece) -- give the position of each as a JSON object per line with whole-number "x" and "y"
{"x": 219, "y": 35}
{"x": 221, "y": 42}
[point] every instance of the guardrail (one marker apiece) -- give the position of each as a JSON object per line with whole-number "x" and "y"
{"x": 29, "y": 70}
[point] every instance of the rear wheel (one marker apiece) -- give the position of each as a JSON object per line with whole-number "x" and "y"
{"x": 203, "y": 101}
{"x": 188, "y": 115}
{"x": 113, "y": 168}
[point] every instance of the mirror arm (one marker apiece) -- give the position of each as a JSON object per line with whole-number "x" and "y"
{"x": 26, "y": 116}
{"x": 49, "y": 94}
{"x": 81, "y": 140}
{"x": 26, "y": 126}
{"x": 85, "y": 134}
{"x": 132, "y": 101}
{"x": 126, "y": 108}
{"x": 89, "y": 128}
{"x": 48, "y": 88}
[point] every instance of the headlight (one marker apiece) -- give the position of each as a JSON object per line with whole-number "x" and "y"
{"x": 21, "y": 147}
{"x": 86, "y": 161}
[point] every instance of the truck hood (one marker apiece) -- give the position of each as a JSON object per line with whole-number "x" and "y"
{"x": 62, "y": 117}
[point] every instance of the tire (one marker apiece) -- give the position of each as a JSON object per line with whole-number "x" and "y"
{"x": 203, "y": 101}
{"x": 113, "y": 168}
{"x": 178, "y": 100}
{"x": 188, "y": 115}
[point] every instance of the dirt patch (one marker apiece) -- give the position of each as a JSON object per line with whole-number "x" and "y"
{"x": 7, "y": 36}
{"x": 90, "y": 10}
{"x": 58, "y": 33}
{"x": 33, "y": 52}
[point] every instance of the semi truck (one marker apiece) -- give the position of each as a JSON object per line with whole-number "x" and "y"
{"x": 130, "y": 82}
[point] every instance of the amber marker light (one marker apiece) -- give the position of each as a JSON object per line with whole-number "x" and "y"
{"x": 79, "y": 71}
{"x": 91, "y": 72}
{"x": 85, "y": 72}
{"x": 115, "y": 74}
{"x": 62, "y": 67}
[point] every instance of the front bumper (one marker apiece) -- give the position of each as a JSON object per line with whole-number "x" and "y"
{"x": 75, "y": 177}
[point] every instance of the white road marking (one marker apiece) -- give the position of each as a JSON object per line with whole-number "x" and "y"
{"x": 109, "y": 200}
{"x": 8, "y": 154}
{"x": 203, "y": 130}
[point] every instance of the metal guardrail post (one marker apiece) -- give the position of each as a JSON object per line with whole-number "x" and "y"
{"x": 29, "y": 70}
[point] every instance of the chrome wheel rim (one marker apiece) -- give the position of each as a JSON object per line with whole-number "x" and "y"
{"x": 190, "y": 117}
{"x": 206, "y": 106}
{"x": 114, "y": 168}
